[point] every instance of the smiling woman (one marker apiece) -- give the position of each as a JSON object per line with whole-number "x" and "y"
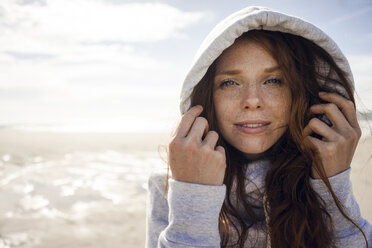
{"x": 246, "y": 167}
{"x": 255, "y": 84}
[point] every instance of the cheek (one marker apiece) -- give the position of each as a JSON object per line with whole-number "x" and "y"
{"x": 281, "y": 105}
{"x": 224, "y": 107}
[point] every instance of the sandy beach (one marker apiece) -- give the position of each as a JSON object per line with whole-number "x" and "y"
{"x": 89, "y": 190}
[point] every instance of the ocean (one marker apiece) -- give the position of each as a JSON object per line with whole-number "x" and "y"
{"x": 59, "y": 190}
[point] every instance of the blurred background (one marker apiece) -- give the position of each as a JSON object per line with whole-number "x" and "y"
{"x": 89, "y": 89}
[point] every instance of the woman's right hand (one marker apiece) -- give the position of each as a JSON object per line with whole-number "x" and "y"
{"x": 192, "y": 159}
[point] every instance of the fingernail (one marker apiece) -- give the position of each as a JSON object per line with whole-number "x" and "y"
{"x": 199, "y": 106}
{"x": 322, "y": 93}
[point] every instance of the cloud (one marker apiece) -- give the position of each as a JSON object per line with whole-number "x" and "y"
{"x": 349, "y": 16}
{"x": 61, "y": 24}
{"x": 84, "y": 41}
{"x": 87, "y": 42}
{"x": 29, "y": 56}
{"x": 81, "y": 62}
{"x": 34, "y": 2}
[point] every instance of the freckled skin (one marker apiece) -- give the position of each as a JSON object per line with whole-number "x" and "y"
{"x": 250, "y": 97}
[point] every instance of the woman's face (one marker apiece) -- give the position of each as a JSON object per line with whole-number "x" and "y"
{"x": 252, "y": 102}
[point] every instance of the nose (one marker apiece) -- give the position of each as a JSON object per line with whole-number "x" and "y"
{"x": 252, "y": 98}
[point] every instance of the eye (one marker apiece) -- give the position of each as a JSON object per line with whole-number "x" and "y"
{"x": 227, "y": 83}
{"x": 274, "y": 81}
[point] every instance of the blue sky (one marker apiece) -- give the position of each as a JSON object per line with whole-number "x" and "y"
{"x": 115, "y": 65}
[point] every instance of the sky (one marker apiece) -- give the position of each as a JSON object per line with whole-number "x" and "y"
{"x": 118, "y": 65}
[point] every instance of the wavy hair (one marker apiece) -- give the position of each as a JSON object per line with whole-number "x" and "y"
{"x": 297, "y": 215}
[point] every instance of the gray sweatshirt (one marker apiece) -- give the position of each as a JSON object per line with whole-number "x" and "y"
{"x": 187, "y": 215}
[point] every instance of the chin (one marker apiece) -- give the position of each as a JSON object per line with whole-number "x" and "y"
{"x": 253, "y": 152}
{"x": 253, "y": 147}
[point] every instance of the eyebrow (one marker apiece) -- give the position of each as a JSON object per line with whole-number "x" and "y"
{"x": 234, "y": 72}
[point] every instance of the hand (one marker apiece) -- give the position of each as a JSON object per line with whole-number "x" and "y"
{"x": 195, "y": 160}
{"x": 336, "y": 149}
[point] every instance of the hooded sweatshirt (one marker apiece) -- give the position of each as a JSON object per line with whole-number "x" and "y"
{"x": 186, "y": 214}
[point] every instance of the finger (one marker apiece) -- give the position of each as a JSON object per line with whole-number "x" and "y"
{"x": 346, "y": 106}
{"x": 221, "y": 150}
{"x": 313, "y": 144}
{"x": 211, "y": 139}
{"x": 199, "y": 128}
{"x": 187, "y": 120}
{"x": 317, "y": 126}
{"x": 333, "y": 113}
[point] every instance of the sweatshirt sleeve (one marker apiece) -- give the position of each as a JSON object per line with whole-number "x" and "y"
{"x": 186, "y": 217}
{"x": 346, "y": 234}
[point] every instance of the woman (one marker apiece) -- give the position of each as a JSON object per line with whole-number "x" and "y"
{"x": 261, "y": 157}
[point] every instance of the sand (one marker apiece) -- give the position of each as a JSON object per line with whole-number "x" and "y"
{"x": 361, "y": 177}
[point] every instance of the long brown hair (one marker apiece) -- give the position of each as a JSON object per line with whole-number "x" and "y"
{"x": 297, "y": 214}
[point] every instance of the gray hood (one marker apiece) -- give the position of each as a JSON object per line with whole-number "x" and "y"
{"x": 224, "y": 34}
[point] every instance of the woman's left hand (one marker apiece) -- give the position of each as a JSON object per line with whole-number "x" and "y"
{"x": 336, "y": 149}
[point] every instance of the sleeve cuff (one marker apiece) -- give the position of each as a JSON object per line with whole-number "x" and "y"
{"x": 194, "y": 212}
{"x": 340, "y": 183}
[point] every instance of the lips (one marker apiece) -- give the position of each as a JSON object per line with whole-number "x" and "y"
{"x": 252, "y": 126}
{"x": 252, "y": 122}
